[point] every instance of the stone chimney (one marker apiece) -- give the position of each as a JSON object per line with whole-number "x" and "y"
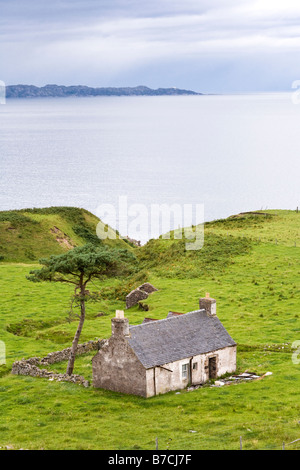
{"x": 209, "y": 305}
{"x": 119, "y": 325}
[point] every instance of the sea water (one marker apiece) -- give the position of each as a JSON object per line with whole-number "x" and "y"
{"x": 229, "y": 153}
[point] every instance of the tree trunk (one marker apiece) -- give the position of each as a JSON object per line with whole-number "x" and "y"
{"x": 77, "y": 334}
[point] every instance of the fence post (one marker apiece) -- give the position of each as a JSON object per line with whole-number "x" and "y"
{"x": 156, "y": 443}
{"x": 241, "y": 443}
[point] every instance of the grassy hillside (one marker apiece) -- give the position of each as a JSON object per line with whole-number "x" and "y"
{"x": 26, "y": 235}
{"x": 272, "y": 226}
{"x": 249, "y": 263}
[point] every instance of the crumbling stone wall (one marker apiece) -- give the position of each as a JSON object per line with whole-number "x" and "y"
{"x": 63, "y": 355}
{"x": 135, "y": 296}
{"x": 31, "y": 366}
{"x": 138, "y": 294}
{"x": 23, "y": 367}
{"x": 147, "y": 287}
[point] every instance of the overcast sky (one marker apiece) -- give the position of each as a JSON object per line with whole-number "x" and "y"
{"x": 205, "y": 45}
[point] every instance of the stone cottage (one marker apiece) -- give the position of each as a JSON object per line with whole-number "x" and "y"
{"x": 158, "y": 356}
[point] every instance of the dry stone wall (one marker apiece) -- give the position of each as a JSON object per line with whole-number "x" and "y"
{"x": 147, "y": 287}
{"x": 25, "y": 368}
{"x": 32, "y": 365}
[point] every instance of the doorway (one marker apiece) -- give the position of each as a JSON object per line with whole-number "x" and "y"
{"x": 212, "y": 367}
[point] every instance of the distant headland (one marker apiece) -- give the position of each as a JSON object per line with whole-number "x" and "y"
{"x": 31, "y": 91}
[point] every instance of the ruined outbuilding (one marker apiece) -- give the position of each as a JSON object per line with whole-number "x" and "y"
{"x": 158, "y": 356}
{"x": 138, "y": 294}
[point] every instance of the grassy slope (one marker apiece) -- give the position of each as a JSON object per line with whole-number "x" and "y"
{"x": 257, "y": 296}
{"x": 26, "y": 235}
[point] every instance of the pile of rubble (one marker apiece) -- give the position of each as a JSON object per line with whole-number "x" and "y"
{"x": 244, "y": 377}
{"x": 233, "y": 379}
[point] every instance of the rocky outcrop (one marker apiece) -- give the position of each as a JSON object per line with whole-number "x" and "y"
{"x": 62, "y": 238}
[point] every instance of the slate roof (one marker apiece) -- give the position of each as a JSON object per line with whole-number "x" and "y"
{"x": 160, "y": 342}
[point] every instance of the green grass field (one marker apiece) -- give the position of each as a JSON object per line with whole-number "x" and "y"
{"x": 250, "y": 264}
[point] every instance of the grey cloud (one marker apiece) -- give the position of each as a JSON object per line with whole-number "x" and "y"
{"x": 63, "y": 39}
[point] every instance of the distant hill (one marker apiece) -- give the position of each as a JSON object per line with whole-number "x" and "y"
{"x": 31, "y": 91}
{"x": 29, "y": 234}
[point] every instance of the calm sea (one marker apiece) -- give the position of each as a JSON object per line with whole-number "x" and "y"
{"x": 230, "y": 153}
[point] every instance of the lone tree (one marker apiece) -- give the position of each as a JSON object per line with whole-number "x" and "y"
{"x": 78, "y": 267}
